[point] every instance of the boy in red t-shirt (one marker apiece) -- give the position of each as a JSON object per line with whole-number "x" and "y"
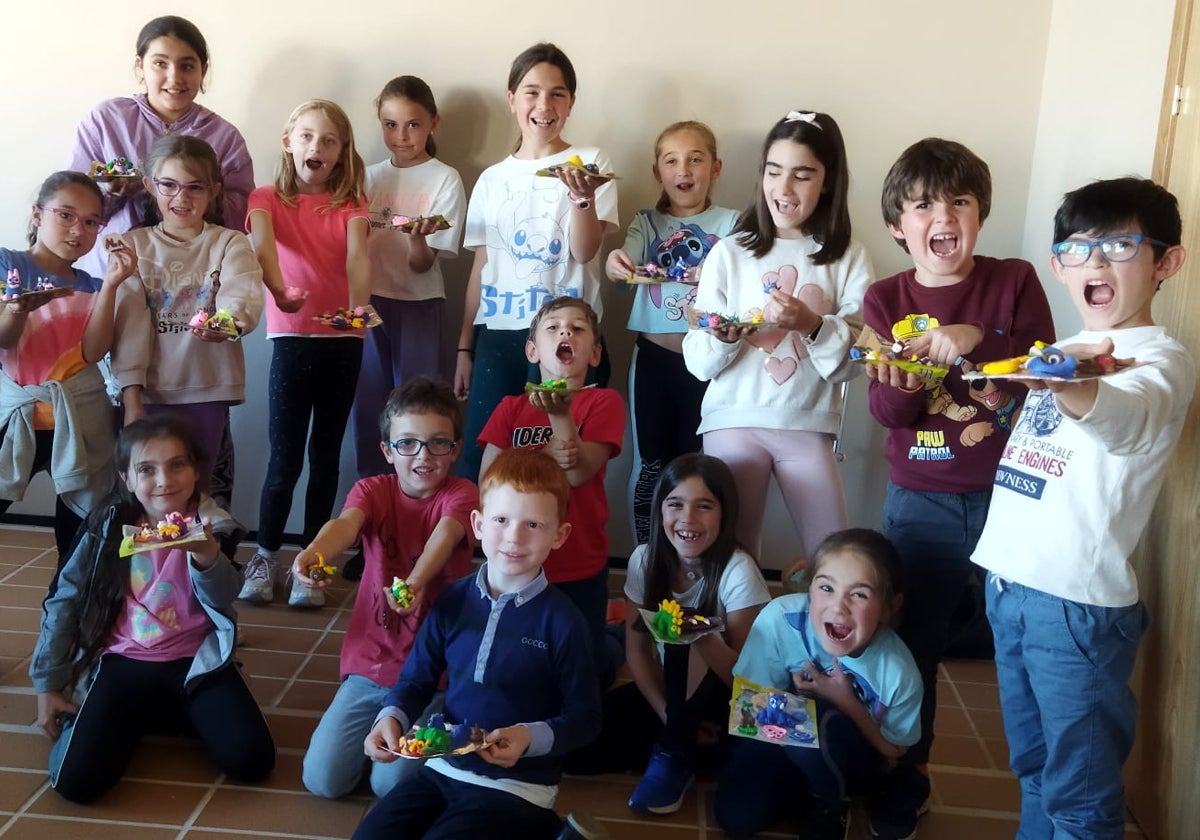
{"x": 415, "y": 525}
{"x": 582, "y": 429}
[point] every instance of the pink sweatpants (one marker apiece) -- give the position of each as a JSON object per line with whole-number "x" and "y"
{"x": 807, "y": 473}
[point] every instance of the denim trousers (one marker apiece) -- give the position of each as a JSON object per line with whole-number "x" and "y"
{"x": 335, "y": 761}
{"x": 1069, "y": 714}
{"x": 935, "y": 534}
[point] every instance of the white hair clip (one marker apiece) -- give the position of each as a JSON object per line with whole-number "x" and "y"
{"x": 809, "y": 117}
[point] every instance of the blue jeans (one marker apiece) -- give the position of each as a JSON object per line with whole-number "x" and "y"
{"x": 1069, "y": 715}
{"x": 935, "y": 534}
{"x": 335, "y": 762}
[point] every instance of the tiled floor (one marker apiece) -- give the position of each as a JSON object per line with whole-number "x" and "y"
{"x": 172, "y": 791}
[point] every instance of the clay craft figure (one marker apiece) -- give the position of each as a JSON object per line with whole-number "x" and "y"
{"x": 576, "y": 162}
{"x": 401, "y": 592}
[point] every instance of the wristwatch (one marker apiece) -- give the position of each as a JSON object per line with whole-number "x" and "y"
{"x": 581, "y": 203}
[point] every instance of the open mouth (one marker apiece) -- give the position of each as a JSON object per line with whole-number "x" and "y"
{"x": 685, "y": 187}
{"x": 688, "y": 536}
{"x": 313, "y": 164}
{"x": 542, "y": 122}
{"x": 565, "y": 352}
{"x": 1098, "y": 294}
{"x": 943, "y": 244}
{"x": 838, "y": 632}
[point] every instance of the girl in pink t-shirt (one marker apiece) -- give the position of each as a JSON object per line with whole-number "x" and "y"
{"x": 54, "y": 412}
{"x": 131, "y": 643}
{"x": 310, "y": 233}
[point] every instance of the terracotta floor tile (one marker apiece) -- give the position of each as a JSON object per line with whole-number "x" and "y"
{"x": 946, "y": 826}
{"x": 26, "y": 750}
{"x": 260, "y": 663}
{"x": 16, "y": 645}
{"x": 154, "y": 802}
{"x": 19, "y": 557}
{"x": 292, "y": 730}
{"x": 285, "y": 776}
{"x": 607, "y": 797}
{"x": 257, "y": 809}
{"x": 998, "y": 749}
{"x": 979, "y": 695}
{"x": 950, "y": 720}
{"x": 17, "y": 618}
{"x": 14, "y": 673}
{"x": 12, "y": 595}
{"x": 971, "y": 670}
{"x": 312, "y": 696}
{"x": 321, "y": 669}
{"x": 16, "y": 788}
{"x": 286, "y": 639}
{"x": 279, "y": 614}
{"x": 172, "y": 760}
{"x": 958, "y": 751}
{"x": 30, "y": 576}
{"x": 13, "y": 535}
{"x": 40, "y": 828}
{"x": 989, "y": 723}
{"x": 266, "y": 690}
{"x": 989, "y": 793}
{"x": 18, "y": 709}
{"x": 332, "y": 643}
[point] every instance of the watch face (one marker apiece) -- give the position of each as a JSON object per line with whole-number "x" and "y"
{"x": 583, "y": 205}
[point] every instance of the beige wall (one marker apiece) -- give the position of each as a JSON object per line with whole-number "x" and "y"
{"x": 890, "y": 73}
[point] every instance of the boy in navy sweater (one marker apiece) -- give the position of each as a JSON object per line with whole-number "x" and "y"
{"x": 516, "y": 656}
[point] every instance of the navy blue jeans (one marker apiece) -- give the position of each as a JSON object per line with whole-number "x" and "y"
{"x": 1069, "y": 714}
{"x": 436, "y": 807}
{"x": 935, "y": 534}
{"x": 762, "y": 782}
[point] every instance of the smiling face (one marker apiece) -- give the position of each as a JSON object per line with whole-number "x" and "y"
{"x": 173, "y": 75}
{"x": 67, "y": 225}
{"x": 517, "y": 531}
{"x": 792, "y": 182}
{"x": 691, "y": 518}
{"x": 541, "y": 103}
{"x": 686, "y": 169}
{"x": 315, "y": 145}
{"x": 422, "y": 474}
{"x": 182, "y": 213}
{"x": 162, "y": 476}
{"x": 406, "y": 126}
{"x": 1117, "y": 295}
{"x": 564, "y": 345}
{"x": 940, "y": 233}
{"x": 846, "y": 605}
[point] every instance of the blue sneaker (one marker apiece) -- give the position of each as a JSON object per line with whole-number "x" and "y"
{"x": 663, "y": 786}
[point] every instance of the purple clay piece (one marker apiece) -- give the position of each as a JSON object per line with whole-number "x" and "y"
{"x": 593, "y": 168}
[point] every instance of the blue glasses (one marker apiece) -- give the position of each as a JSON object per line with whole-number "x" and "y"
{"x": 411, "y": 446}
{"x": 1120, "y": 247}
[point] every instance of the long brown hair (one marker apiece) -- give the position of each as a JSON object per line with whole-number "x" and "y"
{"x": 346, "y": 182}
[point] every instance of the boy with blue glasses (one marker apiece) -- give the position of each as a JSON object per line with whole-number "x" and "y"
{"x": 1083, "y": 468}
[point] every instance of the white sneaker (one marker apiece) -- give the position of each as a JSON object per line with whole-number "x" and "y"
{"x": 259, "y": 587}
{"x": 305, "y": 597}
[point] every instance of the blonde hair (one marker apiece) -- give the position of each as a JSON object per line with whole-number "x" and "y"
{"x": 710, "y": 140}
{"x": 346, "y": 182}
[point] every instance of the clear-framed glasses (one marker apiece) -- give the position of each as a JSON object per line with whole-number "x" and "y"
{"x": 68, "y": 218}
{"x": 169, "y": 189}
{"x": 1120, "y": 247}
{"x": 411, "y": 446}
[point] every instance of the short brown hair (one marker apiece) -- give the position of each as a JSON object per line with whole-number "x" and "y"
{"x": 422, "y": 395}
{"x": 939, "y": 169}
{"x": 565, "y": 302}
{"x": 527, "y": 471}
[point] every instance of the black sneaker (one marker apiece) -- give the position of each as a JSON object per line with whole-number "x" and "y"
{"x": 352, "y": 569}
{"x": 826, "y": 819}
{"x": 902, "y": 800}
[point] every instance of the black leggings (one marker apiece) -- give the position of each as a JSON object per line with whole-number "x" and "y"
{"x": 130, "y": 698}
{"x": 66, "y": 521}
{"x": 311, "y": 378}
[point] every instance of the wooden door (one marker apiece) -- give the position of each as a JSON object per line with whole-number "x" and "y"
{"x": 1163, "y": 774}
